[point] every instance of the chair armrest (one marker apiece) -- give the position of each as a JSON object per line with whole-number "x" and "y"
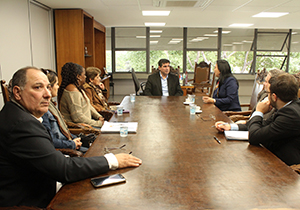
{"x": 230, "y": 113}
{"x": 245, "y": 105}
{"x": 296, "y": 168}
{"x": 71, "y": 152}
{"x": 74, "y": 125}
{"x": 111, "y": 103}
{"x": 235, "y": 118}
{"x": 76, "y": 129}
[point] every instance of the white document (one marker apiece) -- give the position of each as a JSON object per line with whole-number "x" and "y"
{"x": 237, "y": 135}
{"x": 114, "y": 127}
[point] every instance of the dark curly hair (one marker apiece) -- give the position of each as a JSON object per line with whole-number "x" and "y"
{"x": 69, "y": 73}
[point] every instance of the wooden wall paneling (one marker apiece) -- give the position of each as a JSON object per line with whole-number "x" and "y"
{"x": 69, "y": 36}
{"x": 89, "y": 41}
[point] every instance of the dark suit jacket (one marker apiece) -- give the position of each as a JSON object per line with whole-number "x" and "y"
{"x": 153, "y": 85}
{"x": 29, "y": 163}
{"x": 280, "y": 133}
{"x": 228, "y": 97}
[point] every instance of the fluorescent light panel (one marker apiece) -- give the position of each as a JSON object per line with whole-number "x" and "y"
{"x": 153, "y": 42}
{"x": 156, "y": 13}
{"x": 151, "y": 36}
{"x": 241, "y": 25}
{"x": 210, "y": 34}
{"x": 155, "y": 31}
{"x": 154, "y": 24}
{"x": 270, "y": 14}
{"x": 173, "y": 42}
{"x": 223, "y": 32}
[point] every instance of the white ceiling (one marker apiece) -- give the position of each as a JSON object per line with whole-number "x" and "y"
{"x": 216, "y": 13}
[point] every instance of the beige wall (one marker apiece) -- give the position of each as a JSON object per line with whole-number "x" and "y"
{"x": 26, "y": 37}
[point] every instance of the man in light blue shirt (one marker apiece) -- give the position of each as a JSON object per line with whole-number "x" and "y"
{"x": 163, "y": 83}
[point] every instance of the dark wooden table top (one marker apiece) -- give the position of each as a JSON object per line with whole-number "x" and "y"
{"x": 183, "y": 166}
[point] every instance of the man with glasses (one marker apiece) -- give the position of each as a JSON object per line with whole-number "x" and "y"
{"x": 162, "y": 83}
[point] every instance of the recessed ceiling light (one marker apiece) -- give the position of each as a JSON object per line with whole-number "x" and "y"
{"x": 270, "y": 14}
{"x": 241, "y": 25}
{"x": 223, "y": 32}
{"x": 155, "y": 31}
{"x": 245, "y": 41}
{"x": 210, "y": 34}
{"x": 176, "y": 39}
{"x": 227, "y": 45}
{"x": 196, "y": 40}
{"x": 153, "y": 42}
{"x": 173, "y": 42}
{"x": 295, "y": 42}
{"x": 156, "y": 13}
{"x": 294, "y": 32}
{"x": 237, "y": 42}
{"x": 155, "y": 24}
{"x": 154, "y": 36}
{"x": 201, "y": 38}
{"x": 141, "y": 37}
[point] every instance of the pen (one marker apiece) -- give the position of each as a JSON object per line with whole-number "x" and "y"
{"x": 130, "y": 153}
{"x": 217, "y": 140}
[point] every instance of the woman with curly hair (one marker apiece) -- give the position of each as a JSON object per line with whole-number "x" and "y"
{"x": 54, "y": 122}
{"x": 74, "y": 105}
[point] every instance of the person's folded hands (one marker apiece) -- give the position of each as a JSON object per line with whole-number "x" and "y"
{"x": 222, "y": 126}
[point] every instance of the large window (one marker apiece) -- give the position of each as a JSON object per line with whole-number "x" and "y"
{"x": 166, "y": 43}
{"x": 126, "y": 60}
{"x": 130, "y": 49}
{"x": 141, "y": 48}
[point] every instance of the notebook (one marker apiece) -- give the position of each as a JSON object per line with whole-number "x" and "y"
{"x": 114, "y": 127}
{"x": 237, "y": 135}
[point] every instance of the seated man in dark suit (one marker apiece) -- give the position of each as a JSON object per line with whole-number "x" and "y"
{"x": 29, "y": 163}
{"x": 279, "y": 133}
{"x": 163, "y": 83}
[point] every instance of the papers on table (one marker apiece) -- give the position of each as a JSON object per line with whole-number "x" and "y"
{"x": 114, "y": 127}
{"x": 237, "y": 135}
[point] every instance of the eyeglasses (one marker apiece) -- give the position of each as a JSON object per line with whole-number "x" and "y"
{"x": 210, "y": 117}
{"x": 108, "y": 149}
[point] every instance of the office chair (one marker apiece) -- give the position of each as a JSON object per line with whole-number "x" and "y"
{"x": 137, "y": 84}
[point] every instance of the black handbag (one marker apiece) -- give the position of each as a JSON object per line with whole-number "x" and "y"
{"x": 87, "y": 140}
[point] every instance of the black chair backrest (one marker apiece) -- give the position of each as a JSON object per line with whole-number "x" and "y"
{"x": 135, "y": 81}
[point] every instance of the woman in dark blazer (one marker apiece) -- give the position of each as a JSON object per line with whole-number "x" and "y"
{"x": 225, "y": 95}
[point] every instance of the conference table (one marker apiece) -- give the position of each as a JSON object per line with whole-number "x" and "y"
{"x": 184, "y": 167}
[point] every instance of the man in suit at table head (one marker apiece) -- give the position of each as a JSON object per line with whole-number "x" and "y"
{"x": 279, "y": 133}
{"x": 163, "y": 83}
{"x": 29, "y": 163}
